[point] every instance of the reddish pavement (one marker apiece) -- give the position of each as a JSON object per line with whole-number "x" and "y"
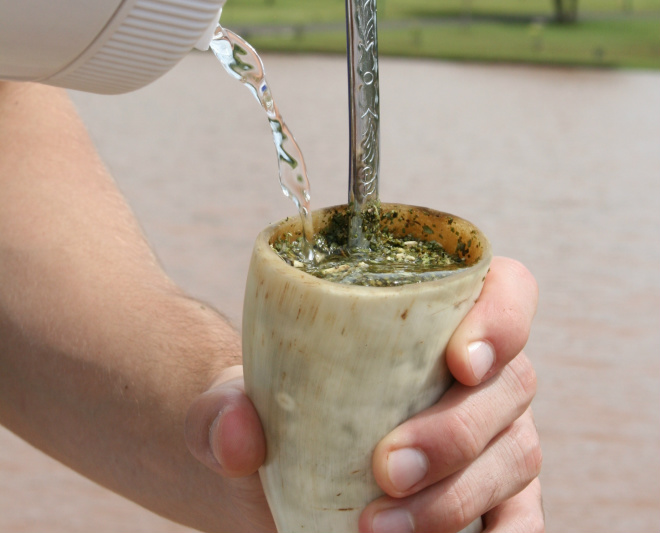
{"x": 560, "y": 167}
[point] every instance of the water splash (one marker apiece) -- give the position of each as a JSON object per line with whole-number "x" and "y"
{"x": 243, "y": 63}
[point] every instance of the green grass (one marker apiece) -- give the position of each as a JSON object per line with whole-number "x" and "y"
{"x": 299, "y": 11}
{"x": 608, "y": 33}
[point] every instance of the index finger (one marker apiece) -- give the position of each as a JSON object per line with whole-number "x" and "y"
{"x": 497, "y": 328}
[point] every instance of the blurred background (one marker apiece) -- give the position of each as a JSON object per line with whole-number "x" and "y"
{"x": 543, "y": 129}
{"x": 614, "y": 33}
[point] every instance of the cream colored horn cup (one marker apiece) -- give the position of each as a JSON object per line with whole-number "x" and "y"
{"x": 333, "y": 368}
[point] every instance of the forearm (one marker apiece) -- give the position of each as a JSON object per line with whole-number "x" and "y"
{"x": 100, "y": 353}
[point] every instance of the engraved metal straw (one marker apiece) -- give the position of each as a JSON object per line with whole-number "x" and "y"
{"x": 364, "y": 111}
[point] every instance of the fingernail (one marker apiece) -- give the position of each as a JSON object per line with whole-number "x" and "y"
{"x": 406, "y": 467}
{"x": 482, "y": 357}
{"x": 214, "y": 438}
{"x": 392, "y": 521}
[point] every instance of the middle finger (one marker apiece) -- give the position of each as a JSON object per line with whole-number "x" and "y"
{"x": 509, "y": 463}
{"x": 454, "y": 432}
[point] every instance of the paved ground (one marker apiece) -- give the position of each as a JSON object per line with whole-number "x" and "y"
{"x": 561, "y": 168}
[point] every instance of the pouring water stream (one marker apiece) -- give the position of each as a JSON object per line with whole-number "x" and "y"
{"x": 243, "y": 63}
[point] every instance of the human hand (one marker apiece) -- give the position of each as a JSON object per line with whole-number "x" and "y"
{"x": 479, "y": 444}
{"x": 476, "y": 452}
{"x": 224, "y": 433}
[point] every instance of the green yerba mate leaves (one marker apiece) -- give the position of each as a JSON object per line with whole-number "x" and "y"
{"x": 390, "y": 260}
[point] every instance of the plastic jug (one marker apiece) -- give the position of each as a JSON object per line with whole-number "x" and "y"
{"x": 101, "y": 46}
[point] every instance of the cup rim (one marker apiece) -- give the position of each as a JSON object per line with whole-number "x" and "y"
{"x": 265, "y": 237}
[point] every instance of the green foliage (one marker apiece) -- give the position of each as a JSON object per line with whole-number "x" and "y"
{"x": 607, "y": 33}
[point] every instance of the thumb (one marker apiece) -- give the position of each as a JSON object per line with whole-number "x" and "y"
{"x": 222, "y": 428}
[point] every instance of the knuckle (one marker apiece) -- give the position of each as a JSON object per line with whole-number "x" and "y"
{"x": 522, "y": 275}
{"x": 535, "y": 461}
{"x": 193, "y": 426}
{"x": 531, "y": 522}
{"x": 465, "y": 503}
{"x": 524, "y": 377}
{"x": 535, "y": 524}
{"x": 457, "y": 508}
{"x": 464, "y": 429}
{"x": 530, "y": 456}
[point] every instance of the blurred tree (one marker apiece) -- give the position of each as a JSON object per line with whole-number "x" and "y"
{"x": 565, "y": 11}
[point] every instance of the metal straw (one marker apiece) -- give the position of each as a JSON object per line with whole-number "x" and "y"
{"x": 364, "y": 112}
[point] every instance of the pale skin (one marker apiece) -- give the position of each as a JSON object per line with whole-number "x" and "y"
{"x": 106, "y": 365}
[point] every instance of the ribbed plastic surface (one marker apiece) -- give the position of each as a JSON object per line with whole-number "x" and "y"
{"x": 145, "y": 39}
